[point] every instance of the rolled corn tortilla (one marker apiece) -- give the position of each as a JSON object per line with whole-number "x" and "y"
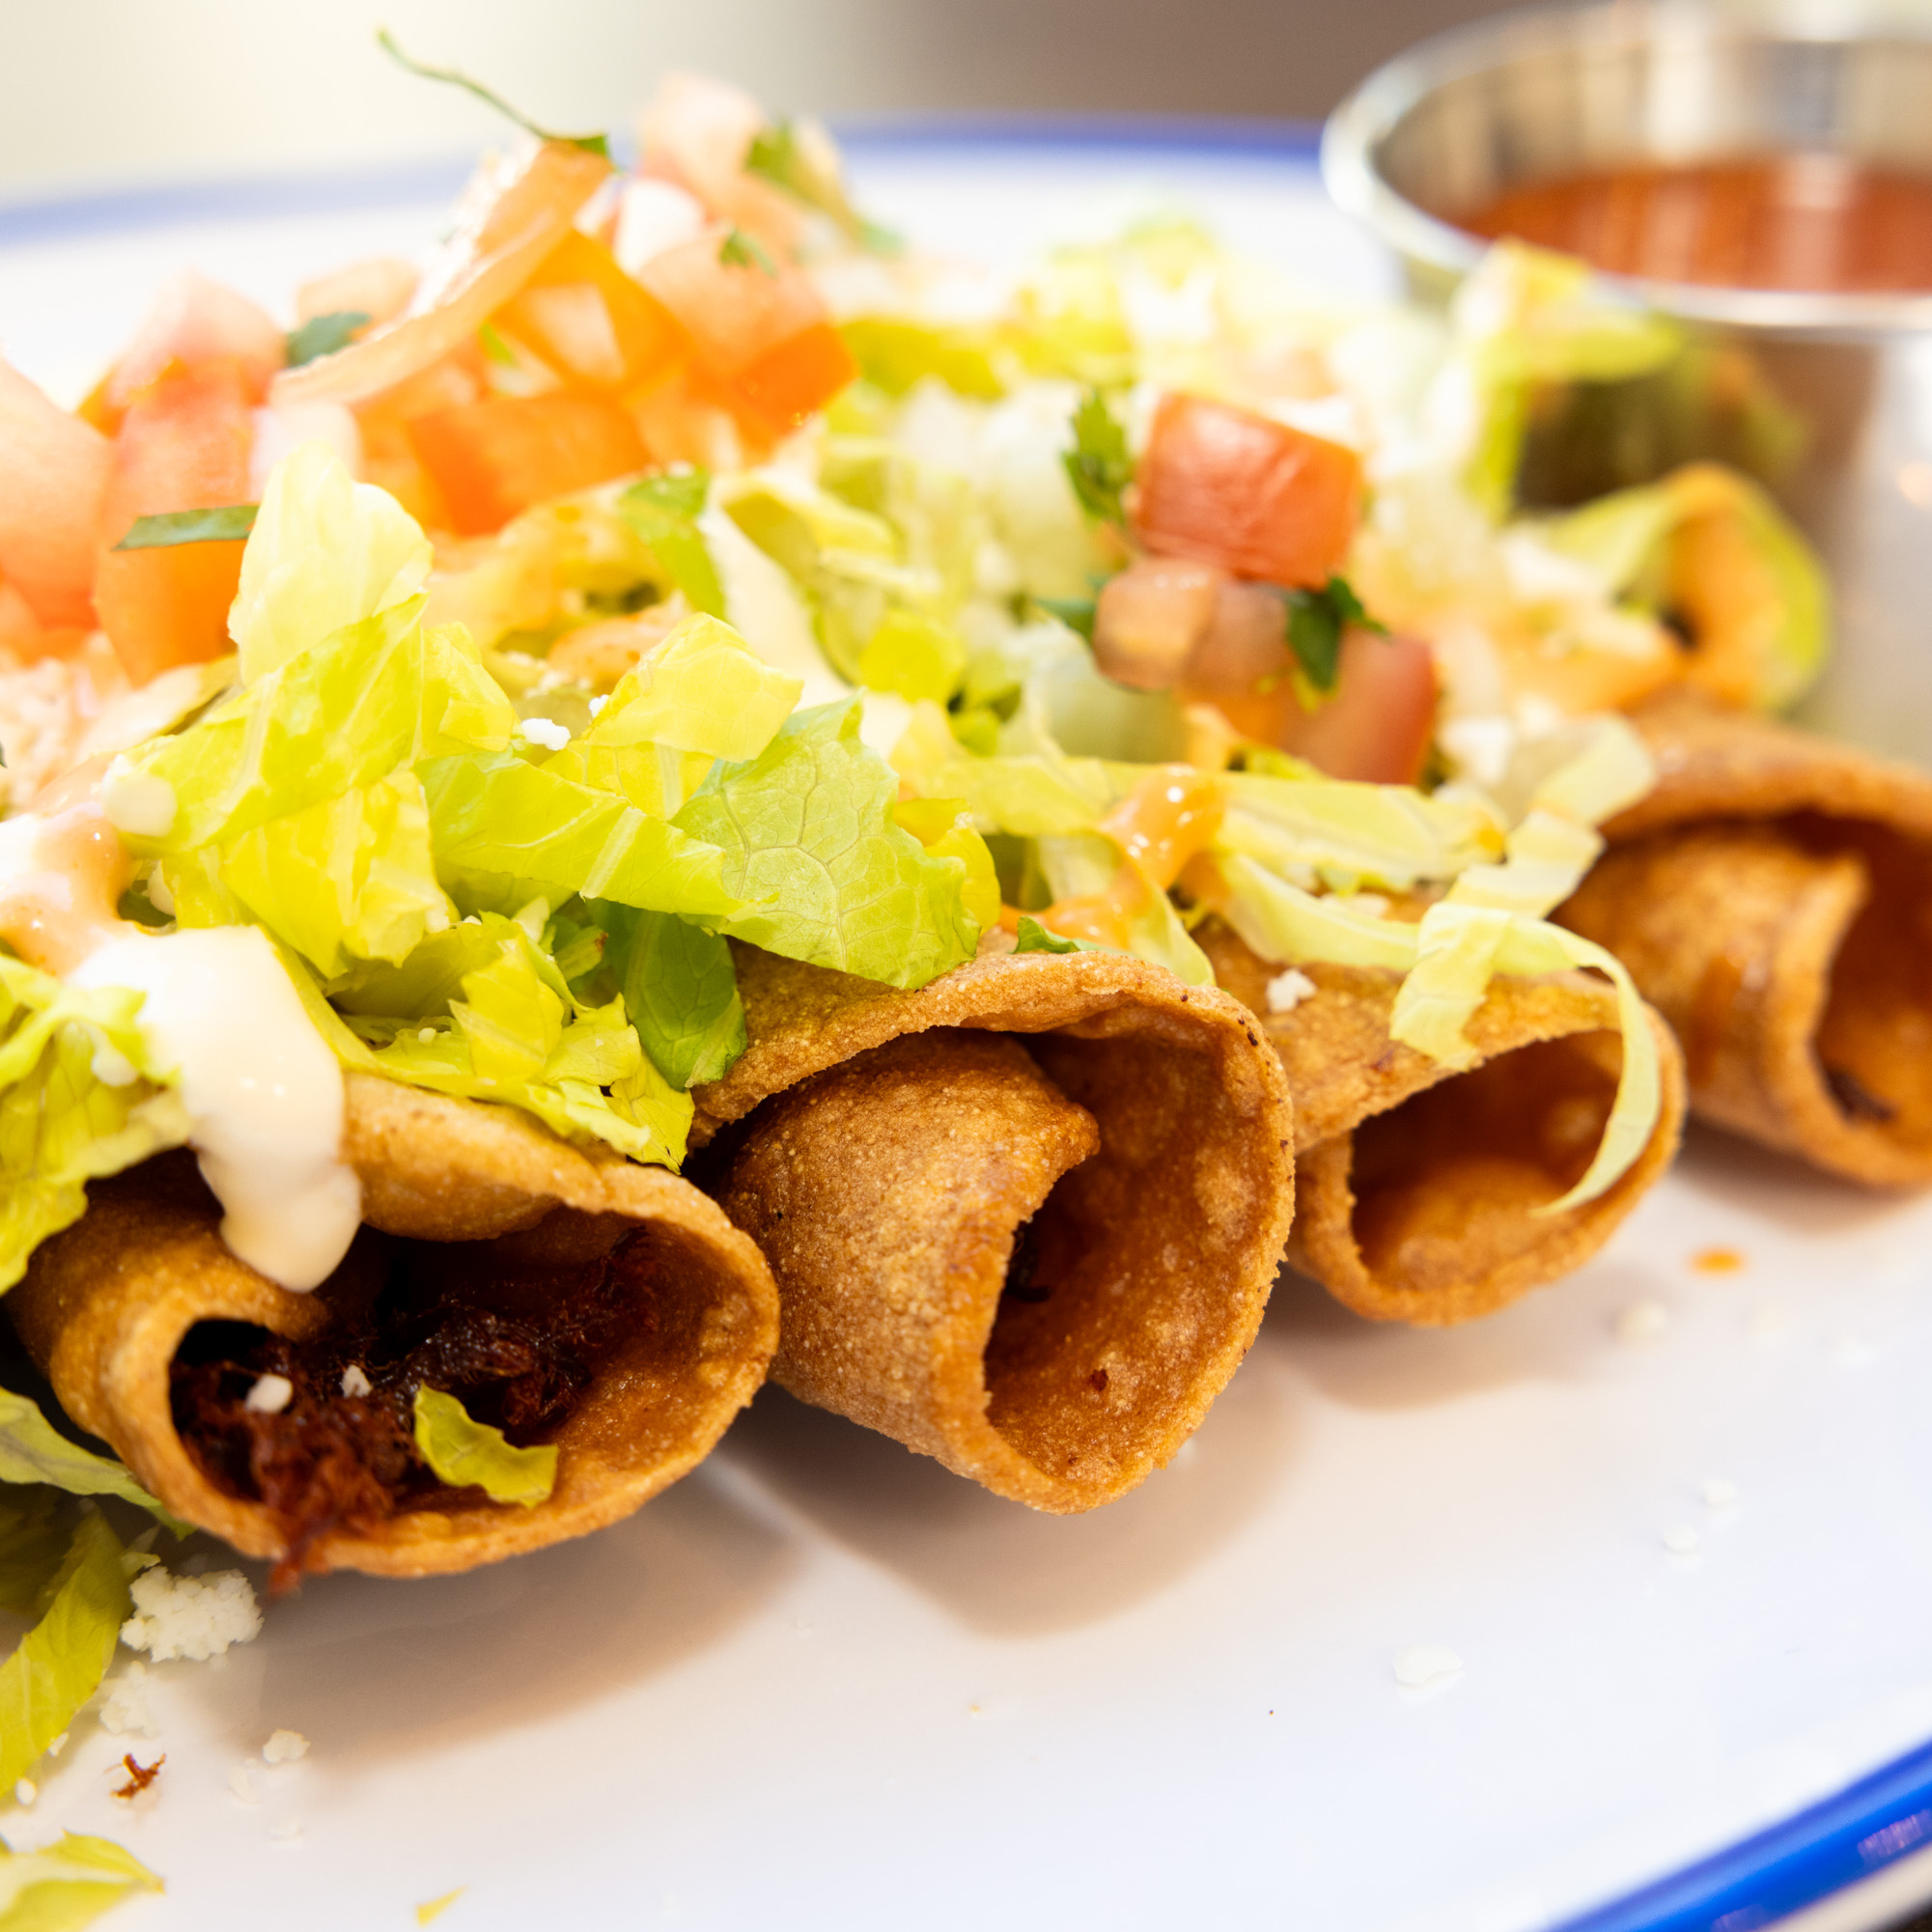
{"x": 1024, "y": 1220}
{"x": 1420, "y": 1189}
{"x": 606, "y": 1307}
{"x": 1772, "y": 897}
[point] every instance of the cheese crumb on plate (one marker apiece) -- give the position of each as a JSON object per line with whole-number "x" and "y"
{"x": 196, "y": 1617}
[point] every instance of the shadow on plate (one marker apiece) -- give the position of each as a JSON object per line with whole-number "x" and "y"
{"x": 1782, "y": 1190}
{"x": 366, "y": 1666}
{"x": 1001, "y": 1568}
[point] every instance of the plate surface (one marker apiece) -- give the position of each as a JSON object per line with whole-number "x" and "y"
{"x": 823, "y": 1682}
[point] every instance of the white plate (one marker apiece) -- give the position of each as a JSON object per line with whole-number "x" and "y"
{"x": 822, "y": 1683}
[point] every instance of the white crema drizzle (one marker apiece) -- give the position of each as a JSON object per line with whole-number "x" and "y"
{"x": 262, "y": 1091}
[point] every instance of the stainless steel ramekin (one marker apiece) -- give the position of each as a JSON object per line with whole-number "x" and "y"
{"x": 1826, "y": 398}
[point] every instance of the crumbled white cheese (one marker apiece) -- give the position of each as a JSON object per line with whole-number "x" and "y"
{"x": 1286, "y": 990}
{"x": 283, "y": 1747}
{"x": 426, "y": 1036}
{"x": 58, "y": 1745}
{"x": 596, "y": 705}
{"x": 126, "y": 1712}
{"x": 1719, "y": 1492}
{"x": 1425, "y": 1665}
{"x": 270, "y": 1395}
{"x": 25, "y": 1791}
{"x": 243, "y": 1786}
{"x": 354, "y": 1382}
{"x": 288, "y": 1833}
{"x": 196, "y": 1617}
{"x": 1681, "y": 1540}
{"x": 546, "y": 732}
{"x": 1641, "y": 1322}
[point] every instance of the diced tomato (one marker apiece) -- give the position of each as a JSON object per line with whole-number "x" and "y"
{"x": 492, "y": 459}
{"x": 1242, "y": 663}
{"x": 1377, "y": 723}
{"x": 763, "y": 334}
{"x": 1149, "y": 618}
{"x": 193, "y": 321}
{"x": 54, "y": 473}
{"x": 590, "y": 320}
{"x": 696, "y": 132}
{"x": 184, "y": 444}
{"x": 1226, "y": 487}
{"x": 689, "y": 418}
{"x": 379, "y": 288}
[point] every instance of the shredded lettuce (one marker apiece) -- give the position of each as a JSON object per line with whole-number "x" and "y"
{"x": 484, "y": 1012}
{"x": 464, "y": 1452}
{"x": 80, "y": 1098}
{"x": 36, "y": 1527}
{"x": 61, "y": 1660}
{"x": 1033, "y": 937}
{"x": 67, "y": 1885}
{"x": 325, "y": 552}
{"x": 680, "y": 992}
{"x": 32, "y": 1451}
{"x": 913, "y": 656}
{"x": 664, "y": 511}
{"x": 809, "y": 835}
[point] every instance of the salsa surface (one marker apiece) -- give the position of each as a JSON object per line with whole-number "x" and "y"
{"x": 1797, "y": 221}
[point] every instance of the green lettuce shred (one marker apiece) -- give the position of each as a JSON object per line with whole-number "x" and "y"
{"x": 664, "y": 511}
{"x": 32, "y": 1451}
{"x": 68, "y": 1884}
{"x": 464, "y": 1452}
{"x": 680, "y": 992}
{"x": 809, "y": 839}
{"x": 60, "y": 1662}
{"x": 80, "y": 1098}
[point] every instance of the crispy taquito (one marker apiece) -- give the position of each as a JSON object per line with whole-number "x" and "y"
{"x": 564, "y": 1297}
{"x": 1024, "y": 1220}
{"x": 1772, "y": 897}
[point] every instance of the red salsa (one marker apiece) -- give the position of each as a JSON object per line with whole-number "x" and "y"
{"x": 1820, "y": 222}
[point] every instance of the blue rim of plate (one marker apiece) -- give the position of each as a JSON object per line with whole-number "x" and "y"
{"x": 1883, "y": 1816}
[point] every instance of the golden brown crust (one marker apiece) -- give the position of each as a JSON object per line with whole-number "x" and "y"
{"x": 105, "y": 1306}
{"x": 1772, "y": 896}
{"x": 900, "y": 1148}
{"x": 1418, "y": 1186}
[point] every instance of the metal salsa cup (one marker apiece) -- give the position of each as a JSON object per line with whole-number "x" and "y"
{"x": 1826, "y": 398}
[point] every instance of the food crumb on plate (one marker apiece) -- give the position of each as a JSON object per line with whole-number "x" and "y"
{"x": 284, "y": 1746}
{"x": 25, "y": 1791}
{"x": 126, "y": 1712}
{"x": 1641, "y": 1322}
{"x": 1719, "y": 1492}
{"x": 1718, "y": 1260}
{"x": 1681, "y": 1540}
{"x": 58, "y": 1745}
{"x": 1424, "y": 1665}
{"x": 196, "y": 1617}
{"x": 434, "y": 1908}
{"x": 1286, "y": 990}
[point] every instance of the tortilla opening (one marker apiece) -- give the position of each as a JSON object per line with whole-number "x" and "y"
{"x": 586, "y": 1331}
{"x": 1873, "y": 1042}
{"x": 1445, "y": 1183}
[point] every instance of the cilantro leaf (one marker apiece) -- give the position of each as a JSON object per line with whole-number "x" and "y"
{"x": 1098, "y": 465}
{"x": 1077, "y": 613}
{"x": 228, "y": 524}
{"x": 1034, "y": 937}
{"x": 1316, "y": 621}
{"x": 323, "y": 335}
{"x": 740, "y": 250}
{"x": 590, "y": 144}
{"x": 778, "y": 155}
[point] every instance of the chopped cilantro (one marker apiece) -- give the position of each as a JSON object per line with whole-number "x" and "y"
{"x": 590, "y": 144}
{"x": 323, "y": 335}
{"x": 1098, "y": 466}
{"x": 228, "y": 524}
{"x": 740, "y": 250}
{"x": 1077, "y": 613}
{"x": 777, "y": 156}
{"x": 1034, "y": 937}
{"x": 1315, "y": 623}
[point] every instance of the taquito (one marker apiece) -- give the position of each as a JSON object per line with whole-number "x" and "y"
{"x": 1418, "y": 1186}
{"x": 1772, "y": 897}
{"x": 565, "y": 1298}
{"x": 1024, "y": 1220}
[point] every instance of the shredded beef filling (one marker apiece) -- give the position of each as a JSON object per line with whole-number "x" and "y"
{"x": 518, "y": 1355}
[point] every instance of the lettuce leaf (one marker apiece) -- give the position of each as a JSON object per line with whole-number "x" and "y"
{"x": 1037, "y": 794}
{"x": 463, "y": 1451}
{"x": 664, "y": 511}
{"x": 32, "y": 1451}
{"x": 37, "y": 1524}
{"x": 482, "y": 1012}
{"x": 681, "y": 992}
{"x": 913, "y": 656}
{"x": 376, "y": 696}
{"x": 1034, "y": 937}
{"x": 61, "y": 1660}
{"x": 945, "y": 828}
{"x": 68, "y": 1884}
{"x": 808, "y": 835}
{"x": 78, "y": 1098}
{"x": 505, "y": 830}
{"x": 325, "y": 552}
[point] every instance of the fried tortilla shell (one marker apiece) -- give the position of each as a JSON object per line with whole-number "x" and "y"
{"x": 1024, "y": 1220}
{"x": 1418, "y": 1186}
{"x": 1772, "y": 897}
{"x": 606, "y": 1307}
